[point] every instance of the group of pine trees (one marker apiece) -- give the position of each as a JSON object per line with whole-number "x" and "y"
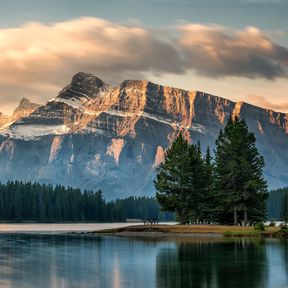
{"x": 228, "y": 189}
{"x": 46, "y": 203}
{"x": 278, "y": 205}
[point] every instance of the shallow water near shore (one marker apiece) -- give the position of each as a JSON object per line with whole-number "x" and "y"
{"x": 45, "y": 260}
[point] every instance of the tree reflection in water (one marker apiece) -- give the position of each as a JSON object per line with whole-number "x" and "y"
{"x": 240, "y": 263}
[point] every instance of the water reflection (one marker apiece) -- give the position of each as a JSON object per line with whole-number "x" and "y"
{"x": 240, "y": 263}
{"x": 116, "y": 262}
{"x": 66, "y": 261}
{"x": 28, "y": 261}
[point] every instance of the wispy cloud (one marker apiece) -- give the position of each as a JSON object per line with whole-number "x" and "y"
{"x": 217, "y": 51}
{"x": 264, "y": 103}
{"x": 37, "y": 59}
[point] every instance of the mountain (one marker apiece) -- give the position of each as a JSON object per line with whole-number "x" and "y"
{"x": 96, "y": 136}
{"x": 4, "y": 120}
{"x": 24, "y": 108}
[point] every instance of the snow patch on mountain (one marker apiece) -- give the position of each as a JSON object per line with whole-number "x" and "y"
{"x": 6, "y": 125}
{"x": 30, "y": 132}
{"x": 73, "y": 102}
{"x": 194, "y": 127}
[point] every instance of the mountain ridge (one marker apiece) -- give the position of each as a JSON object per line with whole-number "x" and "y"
{"x": 96, "y": 136}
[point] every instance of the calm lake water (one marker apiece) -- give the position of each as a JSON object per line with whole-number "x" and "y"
{"x": 43, "y": 260}
{"x": 61, "y": 227}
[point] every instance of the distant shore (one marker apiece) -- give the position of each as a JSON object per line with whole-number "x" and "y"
{"x": 191, "y": 231}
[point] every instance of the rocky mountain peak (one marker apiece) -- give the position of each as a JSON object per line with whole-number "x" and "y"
{"x": 26, "y": 104}
{"x": 83, "y": 79}
{"x": 134, "y": 84}
{"x": 24, "y": 108}
{"x": 83, "y": 85}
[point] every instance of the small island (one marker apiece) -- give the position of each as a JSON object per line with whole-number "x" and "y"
{"x": 196, "y": 231}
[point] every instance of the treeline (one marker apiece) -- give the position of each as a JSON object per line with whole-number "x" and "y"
{"x": 46, "y": 203}
{"x": 278, "y": 204}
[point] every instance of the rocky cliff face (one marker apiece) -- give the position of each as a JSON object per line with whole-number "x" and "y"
{"x": 95, "y": 136}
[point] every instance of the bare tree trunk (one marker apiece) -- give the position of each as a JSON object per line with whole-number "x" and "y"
{"x": 181, "y": 217}
{"x": 245, "y": 217}
{"x": 235, "y": 217}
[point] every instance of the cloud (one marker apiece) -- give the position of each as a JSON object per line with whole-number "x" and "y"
{"x": 216, "y": 51}
{"x": 38, "y": 59}
{"x": 35, "y": 56}
{"x": 264, "y": 103}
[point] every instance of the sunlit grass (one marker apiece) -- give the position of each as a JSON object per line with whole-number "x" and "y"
{"x": 198, "y": 229}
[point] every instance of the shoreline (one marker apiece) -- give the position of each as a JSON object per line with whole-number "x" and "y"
{"x": 134, "y": 230}
{"x": 153, "y": 231}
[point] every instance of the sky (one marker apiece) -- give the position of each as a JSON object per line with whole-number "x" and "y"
{"x": 236, "y": 49}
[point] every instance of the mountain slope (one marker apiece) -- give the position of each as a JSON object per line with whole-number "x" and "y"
{"x": 96, "y": 136}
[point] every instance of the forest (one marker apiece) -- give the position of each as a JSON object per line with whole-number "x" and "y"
{"x": 22, "y": 202}
{"x": 277, "y": 208}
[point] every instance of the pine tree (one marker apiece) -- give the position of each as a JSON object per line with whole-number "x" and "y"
{"x": 284, "y": 208}
{"x": 180, "y": 182}
{"x": 239, "y": 174}
{"x": 210, "y": 201}
{"x": 171, "y": 179}
{"x": 197, "y": 184}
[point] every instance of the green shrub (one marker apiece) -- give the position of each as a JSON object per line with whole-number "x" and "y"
{"x": 284, "y": 229}
{"x": 272, "y": 224}
{"x": 259, "y": 226}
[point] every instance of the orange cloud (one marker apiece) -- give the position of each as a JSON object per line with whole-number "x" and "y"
{"x": 264, "y": 103}
{"x": 39, "y": 59}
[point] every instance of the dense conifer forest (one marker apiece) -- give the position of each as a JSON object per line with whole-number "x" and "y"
{"x": 21, "y": 202}
{"x": 278, "y": 204}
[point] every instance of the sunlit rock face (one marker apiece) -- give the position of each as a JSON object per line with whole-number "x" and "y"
{"x": 4, "y": 120}
{"x": 24, "y": 109}
{"x": 96, "y": 136}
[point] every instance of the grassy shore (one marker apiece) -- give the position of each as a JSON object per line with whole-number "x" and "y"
{"x": 222, "y": 230}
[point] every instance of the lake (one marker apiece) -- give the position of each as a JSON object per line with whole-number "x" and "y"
{"x": 51, "y": 260}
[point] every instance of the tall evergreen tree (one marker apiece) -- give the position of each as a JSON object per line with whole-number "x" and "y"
{"x": 284, "y": 207}
{"x": 197, "y": 184}
{"x": 180, "y": 182}
{"x": 171, "y": 179}
{"x": 210, "y": 202}
{"x": 239, "y": 174}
